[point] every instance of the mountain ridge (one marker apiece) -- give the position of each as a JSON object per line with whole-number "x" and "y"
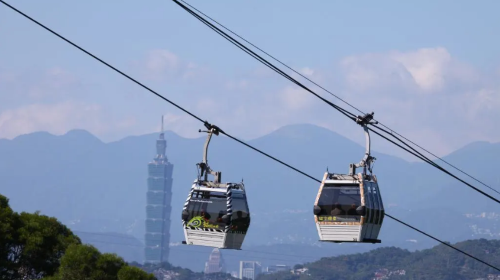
{"x": 286, "y": 130}
{"x": 103, "y": 185}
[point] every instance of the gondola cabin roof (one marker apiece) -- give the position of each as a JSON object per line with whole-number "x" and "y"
{"x": 339, "y": 179}
{"x": 221, "y": 188}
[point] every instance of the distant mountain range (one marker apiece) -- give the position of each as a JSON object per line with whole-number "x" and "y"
{"x": 100, "y": 188}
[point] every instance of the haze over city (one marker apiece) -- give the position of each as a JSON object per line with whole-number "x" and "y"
{"x": 115, "y": 163}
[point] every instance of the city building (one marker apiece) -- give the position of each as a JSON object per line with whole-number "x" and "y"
{"x": 215, "y": 262}
{"x": 158, "y": 207}
{"x": 250, "y": 269}
{"x": 278, "y": 267}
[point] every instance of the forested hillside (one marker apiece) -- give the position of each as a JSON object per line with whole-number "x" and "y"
{"x": 167, "y": 271}
{"x": 440, "y": 262}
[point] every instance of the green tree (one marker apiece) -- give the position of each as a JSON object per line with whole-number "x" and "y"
{"x": 34, "y": 246}
{"x": 108, "y": 266}
{"x": 8, "y": 220}
{"x": 134, "y": 273}
{"x": 85, "y": 262}
{"x": 31, "y": 245}
{"x": 40, "y": 243}
{"x": 79, "y": 262}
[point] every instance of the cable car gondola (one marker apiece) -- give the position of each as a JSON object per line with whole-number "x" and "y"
{"x": 215, "y": 214}
{"x": 348, "y": 207}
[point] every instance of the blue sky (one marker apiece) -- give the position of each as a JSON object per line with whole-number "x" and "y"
{"x": 429, "y": 69}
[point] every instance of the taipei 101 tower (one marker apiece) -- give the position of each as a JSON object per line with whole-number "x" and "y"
{"x": 158, "y": 207}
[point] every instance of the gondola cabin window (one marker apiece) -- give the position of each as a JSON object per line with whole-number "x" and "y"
{"x": 206, "y": 210}
{"x": 241, "y": 217}
{"x": 339, "y": 201}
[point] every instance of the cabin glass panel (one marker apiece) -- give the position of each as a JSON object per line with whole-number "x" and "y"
{"x": 371, "y": 204}
{"x": 376, "y": 206}
{"x": 206, "y": 210}
{"x": 241, "y": 216}
{"x": 338, "y": 203}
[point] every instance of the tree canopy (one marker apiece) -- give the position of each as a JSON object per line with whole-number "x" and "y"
{"x": 31, "y": 245}
{"x": 82, "y": 262}
{"x": 35, "y": 246}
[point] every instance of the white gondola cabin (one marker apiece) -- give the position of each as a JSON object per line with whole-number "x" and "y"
{"x": 348, "y": 207}
{"x": 215, "y": 214}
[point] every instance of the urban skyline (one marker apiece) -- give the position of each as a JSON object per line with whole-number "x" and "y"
{"x": 158, "y": 208}
{"x": 215, "y": 263}
{"x": 250, "y": 269}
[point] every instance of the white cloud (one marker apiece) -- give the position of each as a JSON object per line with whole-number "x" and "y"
{"x": 37, "y": 85}
{"x": 59, "y": 118}
{"x": 426, "y": 70}
{"x": 374, "y": 71}
{"x": 294, "y": 99}
{"x": 427, "y": 94}
{"x": 427, "y": 66}
{"x": 306, "y": 71}
{"x": 54, "y": 118}
{"x": 162, "y": 65}
{"x": 54, "y": 80}
{"x": 417, "y": 93}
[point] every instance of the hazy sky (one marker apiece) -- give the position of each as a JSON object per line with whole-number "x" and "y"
{"x": 428, "y": 69}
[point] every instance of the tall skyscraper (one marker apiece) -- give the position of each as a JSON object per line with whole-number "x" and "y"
{"x": 215, "y": 262}
{"x": 158, "y": 207}
{"x": 250, "y": 269}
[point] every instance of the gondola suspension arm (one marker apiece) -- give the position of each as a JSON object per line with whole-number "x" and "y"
{"x": 204, "y": 167}
{"x": 367, "y": 160}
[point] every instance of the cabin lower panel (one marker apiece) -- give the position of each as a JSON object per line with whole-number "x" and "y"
{"x": 339, "y": 232}
{"x": 215, "y": 239}
{"x": 204, "y": 238}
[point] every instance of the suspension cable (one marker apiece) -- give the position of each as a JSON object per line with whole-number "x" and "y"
{"x": 206, "y": 123}
{"x": 391, "y": 131}
{"x": 338, "y": 108}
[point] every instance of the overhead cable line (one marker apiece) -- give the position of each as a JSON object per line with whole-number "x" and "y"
{"x": 265, "y": 62}
{"x": 338, "y": 108}
{"x": 143, "y": 239}
{"x": 209, "y": 125}
{"x": 294, "y": 258}
{"x": 150, "y": 90}
{"x": 425, "y": 159}
{"x": 391, "y": 131}
{"x": 235, "y": 255}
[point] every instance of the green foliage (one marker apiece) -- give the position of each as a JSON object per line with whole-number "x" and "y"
{"x": 34, "y": 246}
{"x": 31, "y": 245}
{"x": 85, "y": 262}
{"x": 8, "y": 220}
{"x": 41, "y": 242}
{"x": 134, "y": 273}
{"x": 108, "y": 266}
{"x": 79, "y": 262}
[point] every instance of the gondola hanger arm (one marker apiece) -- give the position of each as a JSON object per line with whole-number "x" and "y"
{"x": 367, "y": 160}
{"x": 204, "y": 167}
